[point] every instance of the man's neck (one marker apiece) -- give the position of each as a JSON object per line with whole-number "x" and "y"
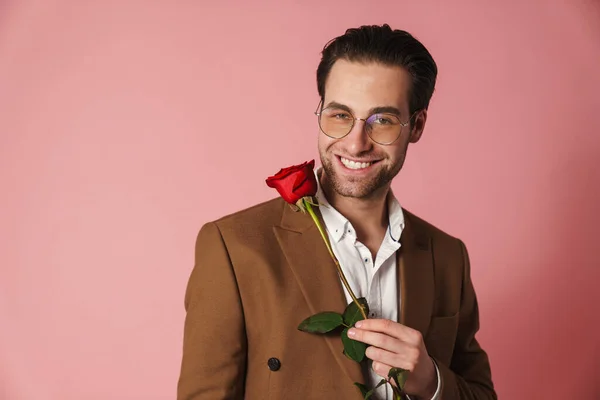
{"x": 368, "y": 216}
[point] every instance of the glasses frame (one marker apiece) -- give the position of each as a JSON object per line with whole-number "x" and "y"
{"x": 403, "y": 125}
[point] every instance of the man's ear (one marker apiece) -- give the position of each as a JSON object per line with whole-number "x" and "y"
{"x": 418, "y": 126}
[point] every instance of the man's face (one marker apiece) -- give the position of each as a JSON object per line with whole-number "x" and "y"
{"x": 361, "y": 87}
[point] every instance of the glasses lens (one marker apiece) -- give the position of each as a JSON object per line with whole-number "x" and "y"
{"x": 335, "y": 122}
{"x": 384, "y": 128}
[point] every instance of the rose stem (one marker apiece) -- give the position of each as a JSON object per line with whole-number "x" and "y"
{"x": 337, "y": 264}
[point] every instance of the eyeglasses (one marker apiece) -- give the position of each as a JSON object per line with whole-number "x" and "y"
{"x": 382, "y": 128}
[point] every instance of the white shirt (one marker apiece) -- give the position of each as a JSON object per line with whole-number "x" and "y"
{"x": 376, "y": 280}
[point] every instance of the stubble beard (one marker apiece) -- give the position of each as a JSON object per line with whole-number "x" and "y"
{"x": 359, "y": 188}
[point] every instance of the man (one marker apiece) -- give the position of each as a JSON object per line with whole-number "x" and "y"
{"x": 258, "y": 273}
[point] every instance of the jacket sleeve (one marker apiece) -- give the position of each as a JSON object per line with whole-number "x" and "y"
{"x": 469, "y": 375}
{"x": 214, "y": 341}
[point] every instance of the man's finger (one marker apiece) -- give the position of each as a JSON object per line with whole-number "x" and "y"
{"x": 391, "y": 328}
{"x": 405, "y": 360}
{"x": 377, "y": 339}
{"x": 380, "y": 340}
{"x": 381, "y": 369}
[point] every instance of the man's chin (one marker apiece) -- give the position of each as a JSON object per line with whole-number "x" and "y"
{"x": 353, "y": 193}
{"x": 354, "y": 188}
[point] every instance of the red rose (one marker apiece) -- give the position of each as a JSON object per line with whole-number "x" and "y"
{"x": 295, "y": 182}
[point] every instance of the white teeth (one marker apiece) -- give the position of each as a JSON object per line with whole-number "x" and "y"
{"x": 354, "y": 165}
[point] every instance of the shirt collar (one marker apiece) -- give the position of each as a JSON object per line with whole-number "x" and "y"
{"x": 337, "y": 225}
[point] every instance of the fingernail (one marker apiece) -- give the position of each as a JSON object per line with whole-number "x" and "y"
{"x": 358, "y": 324}
{"x": 352, "y": 332}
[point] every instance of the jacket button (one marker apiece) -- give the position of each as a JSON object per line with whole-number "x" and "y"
{"x": 274, "y": 364}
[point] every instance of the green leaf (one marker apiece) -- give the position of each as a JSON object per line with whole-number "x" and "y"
{"x": 352, "y": 313}
{"x": 353, "y": 349}
{"x": 363, "y": 389}
{"x": 399, "y": 375}
{"x": 368, "y": 393}
{"x": 321, "y": 323}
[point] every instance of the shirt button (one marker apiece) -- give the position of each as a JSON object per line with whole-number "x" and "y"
{"x": 366, "y": 260}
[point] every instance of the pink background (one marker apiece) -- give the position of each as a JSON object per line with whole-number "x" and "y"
{"x": 124, "y": 126}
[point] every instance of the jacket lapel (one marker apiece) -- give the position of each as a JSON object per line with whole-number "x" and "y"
{"x": 317, "y": 276}
{"x": 415, "y": 277}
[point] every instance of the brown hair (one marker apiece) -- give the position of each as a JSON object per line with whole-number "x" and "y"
{"x": 373, "y": 43}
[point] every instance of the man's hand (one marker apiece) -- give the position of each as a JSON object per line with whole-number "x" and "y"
{"x": 395, "y": 345}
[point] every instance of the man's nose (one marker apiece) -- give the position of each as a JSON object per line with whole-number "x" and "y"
{"x": 358, "y": 140}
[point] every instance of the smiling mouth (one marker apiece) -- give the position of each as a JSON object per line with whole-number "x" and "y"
{"x": 355, "y": 164}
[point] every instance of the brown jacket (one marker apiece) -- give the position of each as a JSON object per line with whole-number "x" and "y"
{"x": 258, "y": 273}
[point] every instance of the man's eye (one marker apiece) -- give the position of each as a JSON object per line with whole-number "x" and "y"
{"x": 382, "y": 121}
{"x": 341, "y": 116}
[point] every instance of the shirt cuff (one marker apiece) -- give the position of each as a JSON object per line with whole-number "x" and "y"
{"x": 436, "y": 395}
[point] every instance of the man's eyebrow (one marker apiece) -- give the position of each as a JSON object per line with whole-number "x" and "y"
{"x": 374, "y": 110}
{"x": 341, "y": 106}
{"x": 385, "y": 109}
